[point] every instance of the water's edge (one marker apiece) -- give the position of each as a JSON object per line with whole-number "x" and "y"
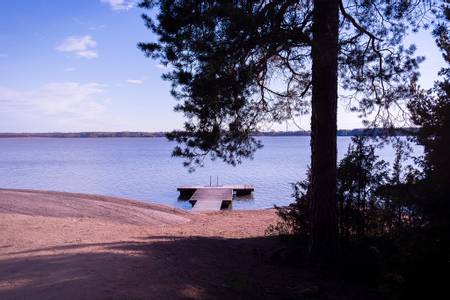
{"x": 143, "y": 168}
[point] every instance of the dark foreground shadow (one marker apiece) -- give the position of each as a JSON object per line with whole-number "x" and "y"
{"x": 162, "y": 267}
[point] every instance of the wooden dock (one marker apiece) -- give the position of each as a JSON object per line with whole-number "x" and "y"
{"x": 212, "y": 198}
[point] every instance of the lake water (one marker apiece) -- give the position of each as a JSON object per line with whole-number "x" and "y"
{"x": 143, "y": 169}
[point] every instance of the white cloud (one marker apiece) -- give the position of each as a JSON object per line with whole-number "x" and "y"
{"x": 120, "y": 4}
{"x": 82, "y": 46}
{"x": 87, "y": 54}
{"x": 69, "y": 69}
{"x": 61, "y": 100}
{"x": 3, "y": 55}
{"x": 135, "y": 81}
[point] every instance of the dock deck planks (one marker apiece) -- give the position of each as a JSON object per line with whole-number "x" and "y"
{"x": 207, "y": 199}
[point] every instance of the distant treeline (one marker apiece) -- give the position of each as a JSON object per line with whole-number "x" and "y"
{"x": 135, "y": 134}
{"x": 83, "y": 134}
{"x": 407, "y": 131}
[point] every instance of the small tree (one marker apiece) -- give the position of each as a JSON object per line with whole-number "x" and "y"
{"x": 360, "y": 174}
{"x": 372, "y": 200}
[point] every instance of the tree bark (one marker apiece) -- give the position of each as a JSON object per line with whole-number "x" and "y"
{"x": 323, "y": 205}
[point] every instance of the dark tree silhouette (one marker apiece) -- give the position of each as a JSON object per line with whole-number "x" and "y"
{"x": 430, "y": 110}
{"x": 236, "y": 65}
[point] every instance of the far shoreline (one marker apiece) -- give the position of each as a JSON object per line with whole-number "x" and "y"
{"x": 138, "y": 134}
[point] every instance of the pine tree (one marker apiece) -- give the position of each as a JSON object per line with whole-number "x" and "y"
{"x": 235, "y": 65}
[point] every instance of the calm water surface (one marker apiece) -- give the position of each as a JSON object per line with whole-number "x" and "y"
{"x": 142, "y": 168}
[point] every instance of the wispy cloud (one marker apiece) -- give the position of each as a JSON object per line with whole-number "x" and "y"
{"x": 82, "y": 46}
{"x": 135, "y": 81}
{"x": 69, "y": 69}
{"x": 58, "y": 99}
{"x": 120, "y": 4}
{"x": 98, "y": 27}
{"x": 3, "y": 55}
{"x": 88, "y": 25}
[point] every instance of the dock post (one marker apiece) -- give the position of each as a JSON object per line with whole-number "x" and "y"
{"x": 217, "y": 181}
{"x": 209, "y": 180}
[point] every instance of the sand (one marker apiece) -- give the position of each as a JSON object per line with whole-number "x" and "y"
{"x": 57, "y": 245}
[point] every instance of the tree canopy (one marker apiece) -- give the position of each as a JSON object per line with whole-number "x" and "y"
{"x": 236, "y": 65}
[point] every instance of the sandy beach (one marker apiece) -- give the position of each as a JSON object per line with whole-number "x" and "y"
{"x": 57, "y": 245}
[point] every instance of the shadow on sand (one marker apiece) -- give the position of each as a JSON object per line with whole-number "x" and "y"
{"x": 157, "y": 267}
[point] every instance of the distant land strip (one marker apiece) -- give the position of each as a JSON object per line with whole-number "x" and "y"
{"x": 135, "y": 134}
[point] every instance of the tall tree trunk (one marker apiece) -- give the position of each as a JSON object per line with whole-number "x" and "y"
{"x": 323, "y": 206}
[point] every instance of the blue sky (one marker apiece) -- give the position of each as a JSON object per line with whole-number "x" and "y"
{"x": 74, "y": 66}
